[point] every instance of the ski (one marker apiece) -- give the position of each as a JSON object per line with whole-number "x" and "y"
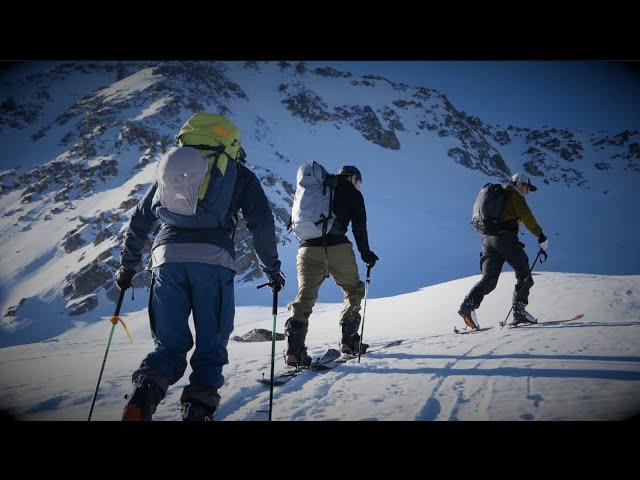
{"x": 550, "y": 322}
{"x": 465, "y": 331}
{"x": 345, "y": 357}
{"x": 330, "y": 360}
{"x": 329, "y": 356}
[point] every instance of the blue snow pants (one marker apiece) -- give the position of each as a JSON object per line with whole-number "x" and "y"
{"x": 177, "y": 289}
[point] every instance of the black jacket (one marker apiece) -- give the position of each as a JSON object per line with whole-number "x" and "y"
{"x": 348, "y": 207}
{"x": 248, "y": 197}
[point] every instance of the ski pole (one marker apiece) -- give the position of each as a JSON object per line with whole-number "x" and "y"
{"x": 364, "y": 310}
{"x": 114, "y": 322}
{"x": 274, "y": 311}
{"x": 502, "y": 324}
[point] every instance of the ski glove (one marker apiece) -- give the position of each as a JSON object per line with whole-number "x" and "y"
{"x": 543, "y": 242}
{"x": 277, "y": 279}
{"x": 369, "y": 258}
{"x": 124, "y": 276}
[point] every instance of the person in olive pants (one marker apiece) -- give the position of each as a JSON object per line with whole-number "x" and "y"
{"x": 340, "y": 260}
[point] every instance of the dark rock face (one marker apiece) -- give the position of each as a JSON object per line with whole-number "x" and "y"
{"x": 258, "y": 335}
{"x": 367, "y": 122}
{"x": 60, "y": 178}
{"x": 87, "y": 304}
{"x": 331, "y": 72}
{"x": 252, "y": 64}
{"x": 301, "y": 68}
{"x": 533, "y": 169}
{"x": 461, "y": 157}
{"x": 72, "y": 241}
{"x": 392, "y": 119}
{"x": 17, "y": 116}
{"x": 557, "y": 141}
{"x": 88, "y": 279}
{"x": 475, "y": 151}
{"x": 306, "y": 105}
{"x": 502, "y": 137}
{"x": 540, "y": 164}
{"x": 629, "y": 142}
{"x": 12, "y": 311}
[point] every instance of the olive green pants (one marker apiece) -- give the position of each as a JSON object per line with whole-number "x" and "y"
{"x": 311, "y": 267}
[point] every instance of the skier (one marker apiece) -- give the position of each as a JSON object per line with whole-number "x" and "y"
{"x": 503, "y": 245}
{"x": 200, "y": 185}
{"x": 333, "y": 254}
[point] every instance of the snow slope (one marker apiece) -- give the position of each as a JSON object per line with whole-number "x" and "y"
{"x": 587, "y": 369}
{"x": 91, "y": 132}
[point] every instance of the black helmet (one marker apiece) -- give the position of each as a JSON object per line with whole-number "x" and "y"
{"x": 350, "y": 170}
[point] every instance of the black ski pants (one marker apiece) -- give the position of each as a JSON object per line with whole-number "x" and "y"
{"x": 496, "y": 249}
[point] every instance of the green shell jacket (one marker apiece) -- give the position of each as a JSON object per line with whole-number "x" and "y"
{"x": 516, "y": 209}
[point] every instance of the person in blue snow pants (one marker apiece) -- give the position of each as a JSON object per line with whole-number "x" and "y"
{"x": 193, "y": 263}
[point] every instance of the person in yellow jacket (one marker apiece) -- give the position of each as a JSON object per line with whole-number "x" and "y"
{"x": 504, "y": 246}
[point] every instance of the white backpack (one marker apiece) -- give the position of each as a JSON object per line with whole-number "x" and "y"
{"x": 312, "y": 215}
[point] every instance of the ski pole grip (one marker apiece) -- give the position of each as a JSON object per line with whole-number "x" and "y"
{"x": 119, "y": 304}
{"x": 543, "y": 255}
{"x": 275, "y": 302}
{"x": 368, "y": 272}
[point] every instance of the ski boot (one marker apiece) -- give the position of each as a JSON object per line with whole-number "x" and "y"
{"x": 468, "y": 314}
{"x": 296, "y": 333}
{"x": 196, "y": 411}
{"x": 350, "y": 338}
{"x": 353, "y": 346}
{"x": 145, "y": 396}
{"x": 521, "y": 316}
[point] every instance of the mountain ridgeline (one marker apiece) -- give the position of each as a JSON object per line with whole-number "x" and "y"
{"x": 79, "y": 144}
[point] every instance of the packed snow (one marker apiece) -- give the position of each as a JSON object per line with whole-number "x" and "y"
{"x": 587, "y": 369}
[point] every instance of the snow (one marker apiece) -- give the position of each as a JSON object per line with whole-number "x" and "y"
{"x": 153, "y": 108}
{"x": 587, "y": 369}
{"x": 127, "y": 87}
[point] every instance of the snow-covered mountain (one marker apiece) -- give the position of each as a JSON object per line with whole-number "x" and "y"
{"x": 79, "y": 143}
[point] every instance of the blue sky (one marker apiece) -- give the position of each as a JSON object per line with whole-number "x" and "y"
{"x": 583, "y": 95}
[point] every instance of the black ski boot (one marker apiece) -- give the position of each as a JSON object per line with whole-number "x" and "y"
{"x": 350, "y": 338}
{"x": 196, "y": 411}
{"x": 468, "y": 313}
{"x": 145, "y": 396}
{"x": 521, "y": 316}
{"x": 296, "y": 333}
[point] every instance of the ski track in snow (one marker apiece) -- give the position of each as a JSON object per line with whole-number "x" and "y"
{"x": 586, "y": 369}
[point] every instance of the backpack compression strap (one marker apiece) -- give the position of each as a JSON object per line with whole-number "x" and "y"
{"x": 331, "y": 183}
{"x": 214, "y": 161}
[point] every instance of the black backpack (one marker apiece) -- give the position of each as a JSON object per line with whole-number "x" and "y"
{"x": 488, "y": 209}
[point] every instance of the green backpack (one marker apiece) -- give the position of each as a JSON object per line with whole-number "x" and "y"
{"x": 207, "y": 131}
